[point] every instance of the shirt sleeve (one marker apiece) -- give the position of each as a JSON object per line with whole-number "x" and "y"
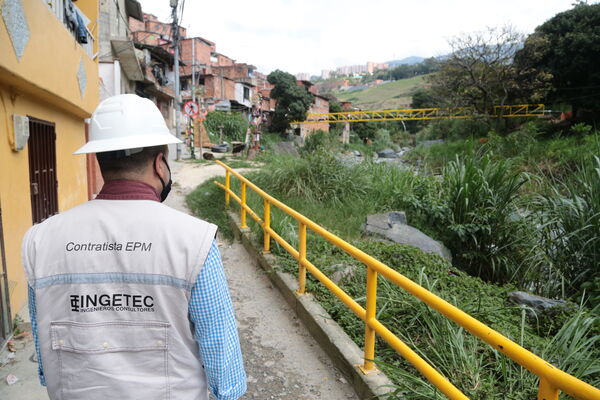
{"x": 211, "y": 312}
{"x": 34, "y": 332}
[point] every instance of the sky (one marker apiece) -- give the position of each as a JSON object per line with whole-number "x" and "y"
{"x": 312, "y": 35}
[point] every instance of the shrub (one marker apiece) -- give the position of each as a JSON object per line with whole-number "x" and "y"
{"x": 383, "y": 139}
{"x": 321, "y": 140}
{"x": 481, "y": 224}
{"x": 234, "y": 124}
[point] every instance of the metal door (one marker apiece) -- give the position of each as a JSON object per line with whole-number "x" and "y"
{"x": 42, "y": 169}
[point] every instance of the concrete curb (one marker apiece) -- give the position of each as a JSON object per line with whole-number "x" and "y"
{"x": 344, "y": 353}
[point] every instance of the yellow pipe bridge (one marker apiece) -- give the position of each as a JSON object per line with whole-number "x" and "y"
{"x": 415, "y": 114}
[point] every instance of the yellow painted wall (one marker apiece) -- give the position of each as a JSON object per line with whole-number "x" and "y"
{"x": 51, "y": 59}
{"x": 42, "y": 84}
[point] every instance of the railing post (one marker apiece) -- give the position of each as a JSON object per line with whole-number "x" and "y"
{"x": 301, "y": 258}
{"x": 546, "y": 391}
{"x": 228, "y": 187}
{"x": 371, "y": 308}
{"x": 267, "y": 219}
{"x": 243, "y": 215}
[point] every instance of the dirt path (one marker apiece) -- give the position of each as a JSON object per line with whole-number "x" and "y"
{"x": 281, "y": 359}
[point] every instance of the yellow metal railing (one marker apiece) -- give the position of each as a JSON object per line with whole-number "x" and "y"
{"x": 552, "y": 379}
{"x": 416, "y": 114}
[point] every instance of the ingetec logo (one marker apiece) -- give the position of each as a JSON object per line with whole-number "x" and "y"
{"x": 111, "y": 302}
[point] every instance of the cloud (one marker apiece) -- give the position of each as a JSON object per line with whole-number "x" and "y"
{"x": 311, "y": 35}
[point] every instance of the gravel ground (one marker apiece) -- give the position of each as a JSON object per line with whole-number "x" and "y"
{"x": 282, "y": 360}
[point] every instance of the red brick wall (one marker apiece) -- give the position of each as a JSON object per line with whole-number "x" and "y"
{"x": 136, "y": 25}
{"x": 202, "y": 53}
{"x": 150, "y": 38}
{"x": 229, "y": 89}
{"x": 233, "y": 71}
{"x": 224, "y": 60}
{"x": 319, "y": 106}
{"x": 219, "y": 88}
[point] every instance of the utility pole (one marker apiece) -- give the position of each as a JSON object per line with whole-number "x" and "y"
{"x": 194, "y": 70}
{"x": 175, "y": 38}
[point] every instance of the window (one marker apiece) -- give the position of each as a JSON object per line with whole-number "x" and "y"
{"x": 246, "y": 93}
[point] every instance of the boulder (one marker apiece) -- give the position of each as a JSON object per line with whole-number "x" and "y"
{"x": 342, "y": 271}
{"x": 392, "y": 226}
{"x": 535, "y": 304}
{"x": 387, "y": 153}
{"x": 386, "y": 220}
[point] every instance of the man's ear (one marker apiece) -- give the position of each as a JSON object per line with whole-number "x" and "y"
{"x": 158, "y": 163}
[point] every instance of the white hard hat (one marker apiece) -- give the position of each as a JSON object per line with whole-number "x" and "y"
{"x": 126, "y": 121}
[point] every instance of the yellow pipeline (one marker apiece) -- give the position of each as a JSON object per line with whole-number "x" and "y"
{"x": 552, "y": 379}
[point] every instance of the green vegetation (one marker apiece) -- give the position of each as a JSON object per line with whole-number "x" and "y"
{"x": 393, "y": 95}
{"x": 293, "y": 101}
{"x": 565, "y": 49}
{"x": 339, "y": 197}
{"x": 234, "y": 125}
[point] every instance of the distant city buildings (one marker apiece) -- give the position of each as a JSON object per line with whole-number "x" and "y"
{"x": 350, "y": 70}
{"x": 303, "y": 76}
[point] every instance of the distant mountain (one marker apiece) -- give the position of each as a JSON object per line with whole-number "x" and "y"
{"x": 407, "y": 60}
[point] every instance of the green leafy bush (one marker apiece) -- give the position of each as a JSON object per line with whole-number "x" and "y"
{"x": 234, "y": 125}
{"x": 321, "y": 140}
{"x": 481, "y": 225}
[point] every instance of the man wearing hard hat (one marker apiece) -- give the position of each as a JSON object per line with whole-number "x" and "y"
{"x": 128, "y": 297}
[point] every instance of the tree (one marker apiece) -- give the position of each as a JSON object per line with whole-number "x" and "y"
{"x": 293, "y": 101}
{"x": 424, "y": 98}
{"x": 567, "y": 48}
{"x": 479, "y": 72}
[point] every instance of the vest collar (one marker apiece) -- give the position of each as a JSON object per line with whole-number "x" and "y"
{"x": 127, "y": 190}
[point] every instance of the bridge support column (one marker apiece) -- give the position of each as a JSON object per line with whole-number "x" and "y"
{"x": 346, "y": 133}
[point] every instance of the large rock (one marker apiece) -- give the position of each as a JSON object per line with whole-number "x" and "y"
{"x": 386, "y": 220}
{"x": 547, "y": 315}
{"x": 392, "y": 226}
{"x": 342, "y": 272}
{"x": 535, "y": 304}
{"x": 387, "y": 153}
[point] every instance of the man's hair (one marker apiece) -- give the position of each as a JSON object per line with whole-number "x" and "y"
{"x": 115, "y": 162}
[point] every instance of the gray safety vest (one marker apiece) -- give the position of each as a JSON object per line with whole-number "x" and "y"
{"x": 113, "y": 280}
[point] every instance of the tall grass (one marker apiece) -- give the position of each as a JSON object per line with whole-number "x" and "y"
{"x": 482, "y": 225}
{"x": 570, "y": 229}
{"x": 317, "y": 177}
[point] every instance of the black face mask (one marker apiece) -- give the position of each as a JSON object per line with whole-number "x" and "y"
{"x": 167, "y": 187}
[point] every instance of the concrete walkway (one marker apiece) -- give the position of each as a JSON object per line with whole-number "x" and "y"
{"x": 281, "y": 359}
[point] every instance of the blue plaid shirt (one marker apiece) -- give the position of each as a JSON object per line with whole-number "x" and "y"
{"x": 211, "y": 311}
